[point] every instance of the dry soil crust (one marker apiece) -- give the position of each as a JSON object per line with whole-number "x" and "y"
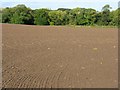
{"x": 59, "y": 57}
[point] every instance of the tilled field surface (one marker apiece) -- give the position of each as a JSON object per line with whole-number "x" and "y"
{"x": 59, "y": 57}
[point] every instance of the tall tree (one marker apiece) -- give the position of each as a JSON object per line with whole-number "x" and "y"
{"x": 22, "y": 15}
{"x": 0, "y": 15}
{"x": 6, "y": 15}
{"x": 114, "y": 17}
{"x": 106, "y": 15}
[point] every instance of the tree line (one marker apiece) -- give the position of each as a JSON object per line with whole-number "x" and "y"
{"x": 21, "y": 14}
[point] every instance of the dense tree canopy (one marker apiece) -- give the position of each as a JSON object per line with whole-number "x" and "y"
{"x": 41, "y": 17}
{"x": 21, "y": 14}
{"x": 6, "y": 15}
{"x": 0, "y": 15}
{"x": 57, "y": 17}
{"x": 106, "y": 15}
{"x": 17, "y": 15}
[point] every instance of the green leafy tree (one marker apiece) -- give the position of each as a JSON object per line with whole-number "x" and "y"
{"x": 22, "y": 15}
{"x": 114, "y": 18}
{"x": 118, "y": 21}
{"x": 6, "y": 15}
{"x": 64, "y": 9}
{"x": 0, "y": 15}
{"x": 90, "y": 16}
{"x": 80, "y": 17}
{"x": 73, "y": 15}
{"x": 98, "y": 18}
{"x": 41, "y": 17}
{"x": 106, "y": 15}
{"x": 86, "y": 17}
{"x": 57, "y": 17}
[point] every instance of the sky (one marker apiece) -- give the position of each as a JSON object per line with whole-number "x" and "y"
{"x": 55, "y": 4}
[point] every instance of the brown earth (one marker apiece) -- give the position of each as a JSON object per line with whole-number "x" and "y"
{"x": 59, "y": 57}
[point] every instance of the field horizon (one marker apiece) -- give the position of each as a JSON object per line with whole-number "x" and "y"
{"x": 89, "y": 26}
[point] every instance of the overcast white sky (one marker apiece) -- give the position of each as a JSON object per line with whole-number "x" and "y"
{"x": 60, "y": 0}
{"x": 54, "y": 4}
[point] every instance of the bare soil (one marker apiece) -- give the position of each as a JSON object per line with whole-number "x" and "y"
{"x": 59, "y": 57}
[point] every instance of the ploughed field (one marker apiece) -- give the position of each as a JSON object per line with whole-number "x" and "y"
{"x": 59, "y": 57}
